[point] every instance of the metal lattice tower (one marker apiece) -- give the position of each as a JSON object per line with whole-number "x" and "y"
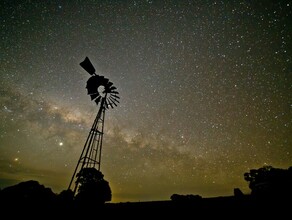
{"x": 102, "y": 91}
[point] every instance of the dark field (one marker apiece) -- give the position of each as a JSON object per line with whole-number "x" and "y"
{"x": 231, "y": 207}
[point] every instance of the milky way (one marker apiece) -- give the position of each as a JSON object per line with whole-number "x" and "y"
{"x": 205, "y": 91}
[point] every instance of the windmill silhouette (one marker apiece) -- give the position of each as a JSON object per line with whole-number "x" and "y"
{"x": 102, "y": 91}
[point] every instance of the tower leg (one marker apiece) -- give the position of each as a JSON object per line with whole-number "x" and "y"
{"x": 91, "y": 153}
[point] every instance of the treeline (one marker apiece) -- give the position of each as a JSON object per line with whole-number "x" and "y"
{"x": 29, "y": 196}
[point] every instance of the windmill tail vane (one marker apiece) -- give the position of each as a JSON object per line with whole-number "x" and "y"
{"x": 87, "y": 65}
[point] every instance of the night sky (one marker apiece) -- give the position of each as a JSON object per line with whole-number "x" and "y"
{"x": 205, "y": 93}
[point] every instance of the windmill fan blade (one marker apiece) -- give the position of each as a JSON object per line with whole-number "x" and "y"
{"x": 109, "y": 84}
{"x": 93, "y": 93}
{"x": 104, "y": 81}
{"x": 115, "y": 104}
{"x": 93, "y": 96}
{"x": 87, "y": 65}
{"x": 97, "y": 100}
{"x": 115, "y": 96}
{"x": 110, "y": 103}
{"x": 115, "y": 92}
{"x": 100, "y": 79}
{"x": 114, "y": 100}
{"x": 92, "y": 84}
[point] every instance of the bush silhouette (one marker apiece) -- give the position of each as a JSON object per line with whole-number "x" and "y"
{"x": 27, "y": 195}
{"x": 93, "y": 188}
{"x": 270, "y": 181}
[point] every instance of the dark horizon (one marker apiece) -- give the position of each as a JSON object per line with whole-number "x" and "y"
{"x": 271, "y": 195}
{"x": 265, "y": 182}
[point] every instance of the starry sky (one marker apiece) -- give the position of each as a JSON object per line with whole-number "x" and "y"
{"x": 205, "y": 93}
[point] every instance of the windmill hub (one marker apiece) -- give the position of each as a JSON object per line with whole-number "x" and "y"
{"x": 101, "y": 91}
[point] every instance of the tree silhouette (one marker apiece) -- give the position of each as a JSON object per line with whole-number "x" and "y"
{"x": 270, "y": 181}
{"x": 26, "y": 197}
{"x": 65, "y": 199}
{"x": 93, "y": 188}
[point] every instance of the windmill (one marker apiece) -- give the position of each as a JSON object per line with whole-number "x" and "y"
{"x": 105, "y": 95}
